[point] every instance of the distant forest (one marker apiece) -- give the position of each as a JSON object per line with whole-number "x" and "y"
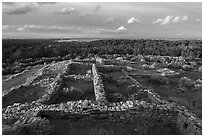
{"x": 17, "y": 49}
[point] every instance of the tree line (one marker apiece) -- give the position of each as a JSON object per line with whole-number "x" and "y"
{"x": 17, "y": 49}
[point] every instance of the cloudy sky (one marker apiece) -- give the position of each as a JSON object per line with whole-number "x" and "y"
{"x": 102, "y": 20}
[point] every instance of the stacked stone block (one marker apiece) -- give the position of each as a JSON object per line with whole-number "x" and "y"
{"x": 98, "y": 86}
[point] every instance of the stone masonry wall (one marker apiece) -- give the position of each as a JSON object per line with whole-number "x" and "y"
{"x": 187, "y": 122}
{"x": 98, "y": 86}
{"x": 143, "y": 114}
{"x": 55, "y": 86}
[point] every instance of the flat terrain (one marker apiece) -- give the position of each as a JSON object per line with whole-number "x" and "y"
{"x": 73, "y": 90}
{"x": 80, "y": 69}
{"x": 23, "y": 95}
{"x": 72, "y": 127}
{"x": 168, "y": 88}
{"x": 19, "y": 79}
{"x": 116, "y": 85}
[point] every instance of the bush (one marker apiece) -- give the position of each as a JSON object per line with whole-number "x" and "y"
{"x": 37, "y": 126}
{"x": 158, "y": 80}
{"x": 185, "y": 82}
{"x": 72, "y": 92}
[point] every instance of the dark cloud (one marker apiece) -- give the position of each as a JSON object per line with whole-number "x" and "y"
{"x": 85, "y": 14}
{"x": 18, "y": 9}
{"x": 109, "y": 20}
{"x": 70, "y": 10}
{"x": 8, "y": 3}
{"x": 46, "y": 3}
{"x": 97, "y": 8}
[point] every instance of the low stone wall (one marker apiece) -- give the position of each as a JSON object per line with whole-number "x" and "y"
{"x": 144, "y": 115}
{"x": 187, "y": 122}
{"x": 29, "y": 125}
{"x": 156, "y": 98}
{"x": 52, "y": 91}
{"x": 98, "y": 86}
{"x": 139, "y": 95}
{"x": 79, "y": 77}
{"x": 55, "y": 86}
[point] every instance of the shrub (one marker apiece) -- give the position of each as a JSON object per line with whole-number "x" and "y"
{"x": 158, "y": 80}
{"x": 185, "y": 82}
{"x": 37, "y": 126}
{"x": 72, "y": 92}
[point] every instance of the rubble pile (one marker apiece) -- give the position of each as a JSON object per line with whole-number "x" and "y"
{"x": 86, "y": 77}
{"x": 188, "y": 83}
{"x": 166, "y": 72}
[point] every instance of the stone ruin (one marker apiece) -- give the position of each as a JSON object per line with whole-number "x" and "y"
{"x": 145, "y": 109}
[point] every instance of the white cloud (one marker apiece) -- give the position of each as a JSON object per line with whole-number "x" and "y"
{"x": 105, "y": 31}
{"x": 36, "y": 28}
{"x": 109, "y": 20}
{"x": 164, "y": 21}
{"x": 8, "y": 3}
{"x": 5, "y": 27}
{"x": 133, "y": 20}
{"x": 121, "y": 29}
{"x": 45, "y": 3}
{"x": 51, "y": 29}
{"x": 184, "y": 18}
{"x": 167, "y": 20}
{"x": 159, "y": 20}
{"x": 176, "y": 19}
{"x": 48, "y": 28}
{"x": 197, "y": 19}
{"x": 19, "y": 8}
{"x": 97, "y": 8}
{"x": 85, "y": 14}
{"x": 67, "y": 11}
{"x": 20, "y": 29}
{"x": 170, "y": 19}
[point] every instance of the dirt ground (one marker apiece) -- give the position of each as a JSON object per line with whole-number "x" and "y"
{"x": 116, "y": 86}
{"x": 80, "y": 69}
{"x": 19, "y": 79}
{"x": 22, "y": 95}
{"x": 169, "y": 89}
{"x": 90, "y": 127}
{"x": 82, "y": 90}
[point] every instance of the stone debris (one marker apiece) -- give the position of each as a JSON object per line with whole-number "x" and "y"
{"x": 200, "y": 68}
{"x": 166, "y": 71}
{"x": 98, "y": 86}
{"x": 153, "y": 66}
